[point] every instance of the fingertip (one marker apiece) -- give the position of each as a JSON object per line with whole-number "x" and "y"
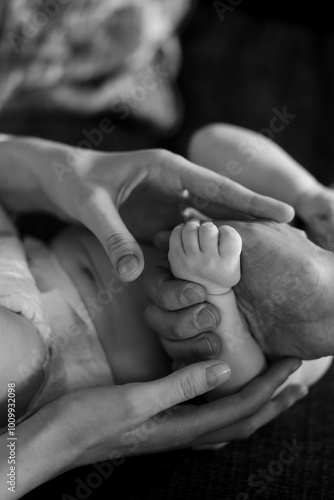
{"x": 285, "y": 213}
{"x": 218, "y": 374}
{"x": 302, "y": 392}
{"x": 192, "y": 295}
{"x": 130, "y": 267}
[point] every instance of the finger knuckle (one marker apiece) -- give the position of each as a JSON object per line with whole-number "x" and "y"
{"x": 187, "y": 387}
{"x": 177, "y": 326}
{"x": 115, "y": 242}
{"x": 163, "y": 296}
{"x": 158, "y": 157}
{"x": 132, "y": 407}
{"x": 163, "y": 156}
{"x": 253, "y": 203}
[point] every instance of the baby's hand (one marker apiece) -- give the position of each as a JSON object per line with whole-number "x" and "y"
{"x": 206, "y": 254}
{"x": 316, "y": 208}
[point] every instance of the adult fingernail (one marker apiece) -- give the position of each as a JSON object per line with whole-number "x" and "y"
{"x": 127, "y": 265}
{"x": 203, "y": 348}
{"x": 207, "y": 348}
{"x": 191, "y": 296}
{"x": 218, "y": 374}
{"x": 206, "y": 319}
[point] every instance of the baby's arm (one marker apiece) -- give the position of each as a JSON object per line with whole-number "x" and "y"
{"x": 259, "y": 164}
{"x": 210, "y": 256}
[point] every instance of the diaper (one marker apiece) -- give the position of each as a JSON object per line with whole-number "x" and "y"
{"x": 75, "y": 356}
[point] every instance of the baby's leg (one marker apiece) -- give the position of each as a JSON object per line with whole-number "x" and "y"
{"x": 250, "y": 159}
{"x": 210, "y": 256}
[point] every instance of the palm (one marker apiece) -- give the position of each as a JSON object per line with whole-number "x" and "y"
{"x": 284, "y": 295}
{"x": 145, "y": 213}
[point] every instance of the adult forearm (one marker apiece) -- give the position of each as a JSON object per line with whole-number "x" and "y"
{"x": 42, "y": 452}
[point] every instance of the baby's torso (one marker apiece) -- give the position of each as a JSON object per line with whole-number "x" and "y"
{"x": 98, "y": 334}
{"x": 116, "y": 309}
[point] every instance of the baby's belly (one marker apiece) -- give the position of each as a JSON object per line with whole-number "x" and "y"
{"x": 117, "y": 309}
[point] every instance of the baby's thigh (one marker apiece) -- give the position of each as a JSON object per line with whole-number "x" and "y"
{"x": 132, "y": 349}
{"x": 217, "y": 147}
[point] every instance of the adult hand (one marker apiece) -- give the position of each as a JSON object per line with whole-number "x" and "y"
{"x": 91, "y": 187}
{"x": 144, "y": 418}
{"x": 286, "y": 295}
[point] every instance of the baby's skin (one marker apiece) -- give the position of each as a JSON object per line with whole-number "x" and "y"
{"x": 132, "y": 348}
{"x": 210, "y": 255}
{"x": 258, "y": 163}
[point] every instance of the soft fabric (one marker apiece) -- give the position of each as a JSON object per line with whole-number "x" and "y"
{"x": 75, "y": 358}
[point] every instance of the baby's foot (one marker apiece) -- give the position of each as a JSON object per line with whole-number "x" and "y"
{"x": 206, "y": 254}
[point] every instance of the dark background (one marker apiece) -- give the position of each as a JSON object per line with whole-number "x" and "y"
{"x": 237, "y": 70}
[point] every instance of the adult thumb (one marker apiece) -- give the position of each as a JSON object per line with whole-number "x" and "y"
{"x": 123, "y": 250}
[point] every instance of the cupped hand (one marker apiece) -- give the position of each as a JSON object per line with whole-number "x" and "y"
{"x": 286, "y": 292}
{"x": 148, "y": 188}
{"x": 286, "y": 296}
{"x": 115, "y": 422}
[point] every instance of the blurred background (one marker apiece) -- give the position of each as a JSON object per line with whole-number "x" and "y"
{"x": 158, "y": 70}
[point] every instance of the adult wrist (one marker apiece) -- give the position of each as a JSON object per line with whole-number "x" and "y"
{"x": 42, "y": 451}
{"x": 19, "y": 185}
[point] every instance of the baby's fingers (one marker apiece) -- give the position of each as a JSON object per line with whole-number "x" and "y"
{"x": 245, "y": 428}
